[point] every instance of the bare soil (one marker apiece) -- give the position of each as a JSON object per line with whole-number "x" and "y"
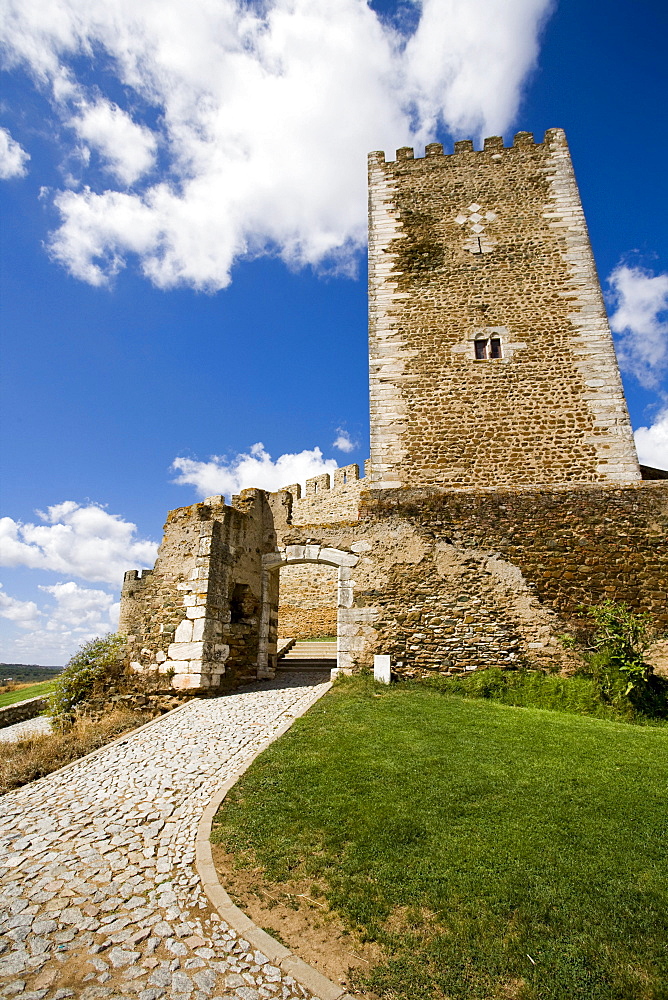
{"x": 296, "y": 914}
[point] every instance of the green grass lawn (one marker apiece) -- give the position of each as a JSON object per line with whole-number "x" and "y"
{"x": 496, "y": 852}
{"x": 31, "y": 691}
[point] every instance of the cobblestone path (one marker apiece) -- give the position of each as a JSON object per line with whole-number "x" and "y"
{"x": 31, "y": 727}
{"x": 99, "y": 897}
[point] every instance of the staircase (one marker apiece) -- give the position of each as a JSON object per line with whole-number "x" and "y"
{"x": 309, "y": 656}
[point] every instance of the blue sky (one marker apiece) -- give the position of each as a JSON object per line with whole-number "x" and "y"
{"x": 183, "y": 245}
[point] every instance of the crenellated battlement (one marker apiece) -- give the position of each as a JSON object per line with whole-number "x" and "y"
{"x": 328, "y": 497}
{"x": 492, "y": 146}
{"x": 134, "y": 578}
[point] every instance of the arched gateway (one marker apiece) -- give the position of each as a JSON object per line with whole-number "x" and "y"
{"x": 308, "y": 553}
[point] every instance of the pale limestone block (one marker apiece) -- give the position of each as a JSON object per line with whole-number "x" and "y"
{"x": 186, "y": 681}
{"x": 160, "y": 656}
{"x": 197, "y": 629}
{"x": 189, "y": 600}
{"x": 186, "y": 650}
{"x": 272, "y": 559}
{"x": 381, "y": 668}
{"x": 184, "y": 631}
{"x": 198, "y": 612}
{"x": 294, "y": 551}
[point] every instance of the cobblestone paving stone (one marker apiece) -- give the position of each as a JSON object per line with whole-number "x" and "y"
{"x": 99, "y": 897}
{"x": 31, "y": 727}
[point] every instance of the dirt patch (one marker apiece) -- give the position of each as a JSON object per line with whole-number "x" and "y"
{"x": 297, "y": 914}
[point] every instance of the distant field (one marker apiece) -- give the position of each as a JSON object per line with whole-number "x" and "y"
{"x": 23, "y": 693}
{"x": 27, "y": 673}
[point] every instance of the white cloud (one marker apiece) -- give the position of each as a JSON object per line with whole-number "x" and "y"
{"x": 652, "y": 442}
{"x": 83, "y": 541}
{"x": 343, "y": 441}
{"x": 263, "y": 113}
{"x": 25, "y": 614}
{"x": 255, "y": 469}
{"x": 640, "y": 320}
{"x": 13, "y": 157}
{"x": 72, "y": 616}
{"x": 81, "y": 610}
{"x": 128, "y": 148}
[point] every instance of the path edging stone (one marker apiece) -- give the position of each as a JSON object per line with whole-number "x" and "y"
{"x": 322, "y": 987}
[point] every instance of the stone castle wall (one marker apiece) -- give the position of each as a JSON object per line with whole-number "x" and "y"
{"x": 307, "y": 601}
{"x": 442, "y": 580}
{"x": 195, "y": 615}
{"x": 328, "y": 498}
{"x": 574, "y": 547}
{"x": 455, "y": 580}
{"x": 474, "y": 247}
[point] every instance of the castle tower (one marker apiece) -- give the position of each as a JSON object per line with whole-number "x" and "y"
{"x": 491, "y": 359}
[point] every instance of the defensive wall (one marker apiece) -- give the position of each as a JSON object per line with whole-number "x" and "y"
{"x": 445, "y": 580}
{"x": 503, "y": 495}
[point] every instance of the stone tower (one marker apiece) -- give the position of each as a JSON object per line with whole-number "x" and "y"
{"x": 491, "y": 359}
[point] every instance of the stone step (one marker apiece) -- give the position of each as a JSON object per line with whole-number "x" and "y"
{"x": 307, "y": 666}
{"x": 311, "y": 651}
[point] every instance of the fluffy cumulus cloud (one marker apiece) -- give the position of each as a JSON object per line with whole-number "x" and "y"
{"x": 640, "y": 320}
{"x": 25, "y": 614}
{"x": 13, "y": 158}
{"x": 652, "y": 442}
{"x": 70, "y": 616}
{"x": 77, "y": 540}
{"x": 127, "y": 150}
{"x": 255, "y": 468}
{"x": 244, "y": 126}
{"x": 343, "y": 441}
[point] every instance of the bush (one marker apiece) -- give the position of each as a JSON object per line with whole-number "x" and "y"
{"x": 86, "y": 668}
{"x": 617, "y": 660}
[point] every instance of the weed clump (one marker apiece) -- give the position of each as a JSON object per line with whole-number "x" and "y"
{"x": 93, "y": 662}
{"x": 36, "y": 756}
{"x": 617, "y": 664}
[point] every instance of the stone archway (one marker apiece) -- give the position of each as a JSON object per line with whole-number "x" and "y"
{"x": 308, "y": 553}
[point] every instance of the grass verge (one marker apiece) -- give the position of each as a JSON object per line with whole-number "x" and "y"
{"x": 25, "y": 760}
{"x": 579, "y": 694}
{"x": 492, "y": 851}
{"x": 23, "y": 693}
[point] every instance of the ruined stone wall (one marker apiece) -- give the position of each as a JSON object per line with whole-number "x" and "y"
{"x": 307, "y": 601}
{"x": 476, "y": 247}
{"x": 458, "y": 580}
{"x": 431, "y": 605}
{"x": 574, "y": 547}
{"x": 195, "y": 615}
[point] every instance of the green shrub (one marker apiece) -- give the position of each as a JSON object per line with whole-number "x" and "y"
{"x": 617, "y": 660}
{"x": 87, "y": 667}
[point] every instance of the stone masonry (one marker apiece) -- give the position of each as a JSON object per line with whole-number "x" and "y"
{"x": 491, "y": 360}
{"x": 503, "y": 495}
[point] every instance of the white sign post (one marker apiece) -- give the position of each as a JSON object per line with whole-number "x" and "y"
{"x": 381, "y": 668}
